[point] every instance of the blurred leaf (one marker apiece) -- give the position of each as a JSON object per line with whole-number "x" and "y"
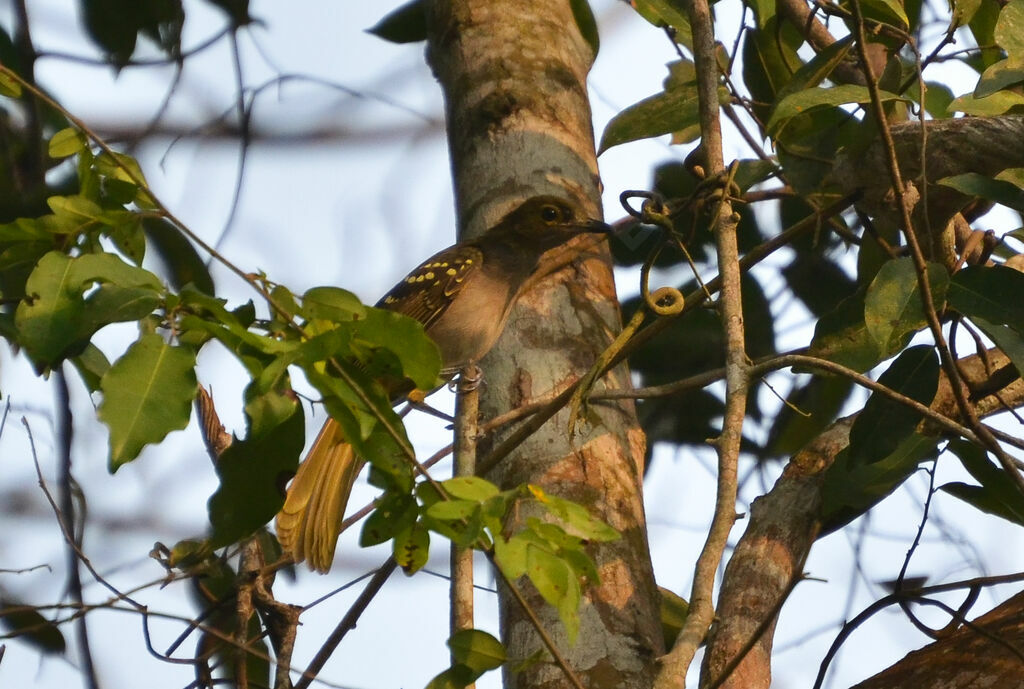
{"x": 92, "y": 365}
{"x": 851, "y": 490}
{"x": 237, "y": 10}
{"x": 818, "y": 281}
{"x": 964, "y": 10}
{"x": 890, "y": 9}
{"x": 114, "y": 25}
{"x": 819, "y": 400}
{"x": 770, "y": 60}
{"x": 66, "y": 142}
{"x": 673, "y": 612}
{"x": 577, "y": 519}
{"x": 998, "y": 103}
{"x": 807, "y": 145}
{"x": 585, "y": 22}
{"x": 1009, "y": 31}
{"x": 893, "y": 309}
{"x": 407, "y": 24}
{"x": 1008, "y": 340}
{"x": 183, "y": 263}
{"x": 24, "y": 622}
{"x": 1001, "y": 75}
{"x": 147, "y": 393}
{"x": 470, "y": 488}
{"x": 998, "y": 494}
{"x": 982, "y": 291}
{"x": 9, "y": 86}
{"x": 667, "y": 13}
{"x": 884, "y": 423}
{"x": 841, "y": 336}
{"x": 973, "y": 184}
{"x": 819, "y": 68}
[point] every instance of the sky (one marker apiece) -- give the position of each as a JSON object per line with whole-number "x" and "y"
{"x": 311, "y": 215}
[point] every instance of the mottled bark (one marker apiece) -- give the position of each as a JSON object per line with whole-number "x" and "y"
{"x": 519, "y": 124}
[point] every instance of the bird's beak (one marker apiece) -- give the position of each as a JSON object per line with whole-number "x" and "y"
{"x": 597, "y": 226}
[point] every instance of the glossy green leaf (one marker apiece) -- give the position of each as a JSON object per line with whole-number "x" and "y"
{"x": 407, "y": 24}
{"x": 477, "y": 650}
{"x": 91, "y": 364}
{"x": 411, "y": 548}
{"x": 576, "y": 518}
{"x": 1001, "y": 75}
{"x": 893, "y": 309}
{"x": 985, "y": 292}
{"x": 884, "y": 423}
{"x": 147, "y": 393}
{"x": 819, "y": 68}
{"x": 586, "y": 23}
{"x": 510, "y": 555}
{"x": 252, "y": 472}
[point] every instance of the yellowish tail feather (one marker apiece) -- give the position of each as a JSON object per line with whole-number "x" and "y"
{"x": 310, "y": 520}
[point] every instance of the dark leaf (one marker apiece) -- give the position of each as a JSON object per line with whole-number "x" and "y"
{"x": 407, "y": 24}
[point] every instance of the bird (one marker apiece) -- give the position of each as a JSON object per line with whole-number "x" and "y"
{"x": 463, "y": 296}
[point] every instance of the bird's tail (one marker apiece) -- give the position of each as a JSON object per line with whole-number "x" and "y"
{"x": 310, "y": 520}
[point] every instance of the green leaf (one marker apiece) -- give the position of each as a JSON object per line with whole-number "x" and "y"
{"x": 998, "y": 494}
{"x": 510, "y": 555}
{"x": 819, "y": 402}
{"x": 24, "y": 622}
{"x": 394, "y": 513}
{"x": 884, "y": 423}
{"x": 576, "y": 519}
{"x": 57, "y": 319}
{"x": 183, "y": 263}
{"x": 407, "y": 24}
{"x": 997, "y": 104}
{"x": 893, "y": 310}
{"x": 673, "y": 110}
{"x": 147, "y": 393}
{"x": 849, "y": 491}
{"x": 991, "y": 293}
{"x": 476, "y": 650}
{"x": 557, "y": 584}
{"x": 1009, "y": 31}
{"x": 470, "y": 488}
{"x": 842, "y": 336}
{"x": 411, "y": 548}
{"x": 1001, "y": 75}
{"x": 770, "y": 60}
{"x": 964, "y": 11}
{"x": 803, "y": 101}
{"x": 673, "y": 609}
{"x": 252, "y": 472}
{"x": 1008, "y": 340}
{"x": 667, "y": 14}
{"x": 974, "y": 184}
{"x": 66, "y": 142}
{"x": 452, "y": 510}
{"x": 890, "y": 9}
{"x": 9, "y": 86}
{"x": 817, "y": 69}
{"x": 92, "y": 365}
{"x": 332, "y": 304}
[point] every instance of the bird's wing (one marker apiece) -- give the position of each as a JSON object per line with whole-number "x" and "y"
{"x": 426, "y": 292}
{"x": 310, "y": 520}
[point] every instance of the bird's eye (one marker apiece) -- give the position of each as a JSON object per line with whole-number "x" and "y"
{"x": 550, "y": 214}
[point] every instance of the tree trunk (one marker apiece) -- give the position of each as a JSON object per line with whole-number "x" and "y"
{"x": 519, "y": 124}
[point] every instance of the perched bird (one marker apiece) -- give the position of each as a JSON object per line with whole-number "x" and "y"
{"x": 463, "y": 296}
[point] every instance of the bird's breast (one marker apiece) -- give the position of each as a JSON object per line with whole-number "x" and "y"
{"x": 471, "y": 324}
